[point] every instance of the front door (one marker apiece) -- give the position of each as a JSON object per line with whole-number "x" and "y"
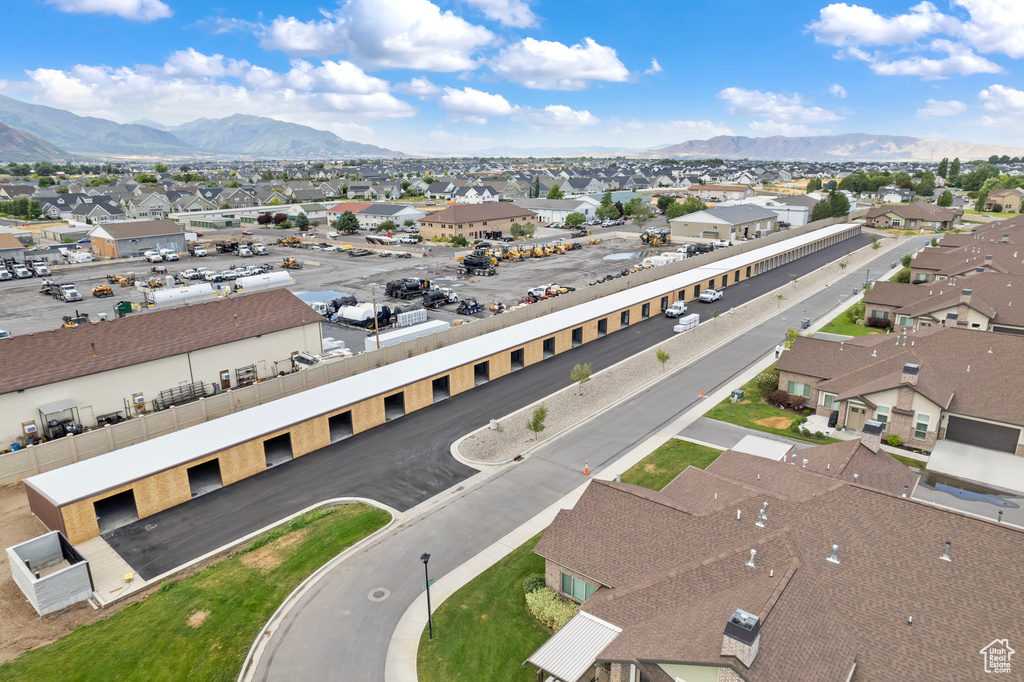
{"x": 856, "y": 417}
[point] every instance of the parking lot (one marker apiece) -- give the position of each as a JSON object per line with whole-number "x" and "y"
{"x": 24, "y": 310}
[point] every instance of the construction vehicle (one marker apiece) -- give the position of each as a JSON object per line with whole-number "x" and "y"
{"x": 75, "y": 320}
{"x": 227, "y": 247}
{"x": 435, "y": 297}
{"x": 126, "y": 280}
{"x": 468, "y": 306}
{"x": 406, "y": 288}
{"x": 477, "y": 263}
{"x": 290, "y": 241}
{"x": 102, "y": 291}
{"x": 154, "y": 283}
{"x": 595, "y": 240}
{"x": 65, "y": 291}
{"x": 291, "y": 264}
{"x": 656, "y": 236}
{"x": 511, "y": 253}
{"x": 497, "y": 307}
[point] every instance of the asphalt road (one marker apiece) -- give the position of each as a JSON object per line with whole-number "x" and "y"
{"x": 335, "y": 632}
{"x": 405, "y": 461}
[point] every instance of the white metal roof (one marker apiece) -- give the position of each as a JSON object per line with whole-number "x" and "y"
{"x": 86, "y": 478}
{"x": 571, "y": 651}
{"x": 762, "y": 447}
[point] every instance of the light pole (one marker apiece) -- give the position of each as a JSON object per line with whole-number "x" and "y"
{"x": 867, "y": 280}
{"x": 426, "y": 579}
{"x": 376, "y": 331}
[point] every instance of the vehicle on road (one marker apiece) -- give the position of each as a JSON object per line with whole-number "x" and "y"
{"x": 710, "y": 295}
{"x": 677, "y": 309}
{"x": 247, "y": 233}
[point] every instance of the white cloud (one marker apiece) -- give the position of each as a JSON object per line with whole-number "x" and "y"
{"x": 515, "y": 13}
{"x": 1002, "y": 101}
{"x": 420, "y": 87}
{"x": 470, "y": 105}
{"x": 557, "y": 118}
{"x": 782, "y": 108}
{"x": 136, "y": 10}
{"x": 396, "y": 34}
{"x": 995, "y": 26}
{"x": 655, "y": 67}
{"x": 549, "y": 65}
{"x": 843, "y": 25}
{"x": 837, "y": 90}
{"x": 177, "y": 91}
{"x": 961, "y": 60}
{"x": 934, "y": 108}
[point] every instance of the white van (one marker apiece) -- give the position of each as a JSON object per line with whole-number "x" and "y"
{"x": 169, "y": 254}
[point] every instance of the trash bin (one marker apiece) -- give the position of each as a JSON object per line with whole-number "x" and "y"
{"x": 856, "y": 291}
{"x": 805, "y": 323}
{"x": 736, "y": 396}
{"x": 894, "y": 264}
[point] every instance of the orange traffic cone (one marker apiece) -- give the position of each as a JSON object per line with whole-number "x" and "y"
{"x": 702, "y": 393}
{"x": 586, "y": 468}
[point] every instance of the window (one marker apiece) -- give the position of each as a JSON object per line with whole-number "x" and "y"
{"x": 829, "y": 401}
{"x": 903, "y": 320}
{"x": 576, "y": 588}
{"x": 882, "y": 415}
{"x": 921, "y": 426}
{"x": 796, "y": 388}
{"x": 896, "y": 222}
{"x": 921, "y": 277}
{"x": 879, "y": 314}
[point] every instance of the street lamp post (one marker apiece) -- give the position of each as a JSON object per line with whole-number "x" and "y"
{"x": 376, "y": 331}
{"x": 426, "y": 579}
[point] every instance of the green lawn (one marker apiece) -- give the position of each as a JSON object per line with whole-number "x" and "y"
{"x": 909, "y": 462}
{"x": 747, "y": 414}
{"x": 167, "y": 637}
{"x": 990, "y": 213}
{"x": 483, "y": 631}
{"x": 658, "y": 468}
{"x": 841, "y": 325}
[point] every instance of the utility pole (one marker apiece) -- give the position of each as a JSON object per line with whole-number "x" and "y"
{"x": 376, "y": 326}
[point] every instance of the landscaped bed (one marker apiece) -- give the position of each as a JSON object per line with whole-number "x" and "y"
{"x": 202, "y": 627}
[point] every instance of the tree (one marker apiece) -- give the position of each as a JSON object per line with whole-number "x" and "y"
{"x": 993, "y": 159}
{"x": 662, "y": 357}
{"x": 555, "y": 192}
{"x": 184, "y": 168}
{"x": 943, "y": 170}
{"x": 813, "y": 184}
{"x": 642, "y": 213}
{"x": 348, "y": 223}
{"x": 516, "y": 230}
{"x": 160, "y": 168}
{"x": 608, "y": 212}
{"x": 903, "y": 276}
{"x": 409, "y": 222}
{"x": 302, "y": 222}
{"x": 954, "y": 168}
{"x": 276, "y": 201}
{"x": 606, "y": 199}
{"x": 791, "y": 335}
{"x": 62, "y": 190}
{"x": 45, "y": 181}
{"x": 264, "y": 219}
{"x": 279, "y": 218}
{"x": 839, "y": 205}
{"x": 580, "y": 374}
{"x": 575, "y": 219}
{"x": 387, "y": 226}
{"x": 528, "y": 230}
{"x": 821, "y": 210}
{"x": 926, "y": 187}
{"x": 687, "y": 206}
{"x": 145, "y": 179}
{"x": 779, "y": 298}
{"x": 536, "y": 422}
{"x": 875, "y": 244}
{"x": 945, "y": 199}
{"x": 665, "y": 201}
{"x": 459, "y": 240}
{"x": 535, "y": 194}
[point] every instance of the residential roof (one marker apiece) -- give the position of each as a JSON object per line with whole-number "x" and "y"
{"x": 389, "y": 209}
{"x": 354, "y": 206}
{"x": 140, "y": 228}
{"x": 28, "y": 360}
{"x": 9, "y": 241}
{"x": 671, "y": 579}
{"x": 730, "y": 215}
{"x": 569, "y": 654}
{"x": 551, "y": 204}
{"x": 468, "y": 213}
{"x": 917, "y": 210}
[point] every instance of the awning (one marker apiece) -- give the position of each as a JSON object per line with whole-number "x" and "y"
{"x": 59, "y": 406}
{"x": 572, "y": 650}
{"x": 762, "y": 447}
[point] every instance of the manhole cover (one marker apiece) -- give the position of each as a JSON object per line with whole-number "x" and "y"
{"x": 379, "y": 594}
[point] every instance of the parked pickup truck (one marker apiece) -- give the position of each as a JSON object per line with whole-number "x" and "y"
{"x": 677, "y": 309}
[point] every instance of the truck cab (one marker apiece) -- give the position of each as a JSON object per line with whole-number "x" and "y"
{"x": 21, "y": 272}
{"x": 244, "y": 252}
{"x": 677, "y": 309}
{"x": 153, "y": 256}
{"x": 198, "y": 251}
{"x": 41, "y": 269}
{"x": 259, "y": 249}
{"x": 169, "y": 254}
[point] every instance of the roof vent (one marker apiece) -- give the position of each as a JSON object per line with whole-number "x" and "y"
{"x": 841, "y": 344}
{"x": 905, "y": 488}
{"x": 945, "y": 556}
{"x": 874, "y": 353}
{"x": 835, "y": 555}
{"x": 968, "y": 368}
{"x": 805, "y": 463}
{"x": 990, "y": 349}
{"x": 856, "y": 478}
{"x": 753, "y": 553}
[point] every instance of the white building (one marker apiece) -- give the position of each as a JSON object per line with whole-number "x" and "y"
{"x": 555, "y": 210}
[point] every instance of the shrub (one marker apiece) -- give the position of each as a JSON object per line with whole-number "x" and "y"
{"x": 778, "y": 398}
{"x": 802, "y": 420}
{"x": 805, "y": 432}
{"x": 550, "y": 609}
{"x": 903, "y": 276}
{"x": 532, "y": 583}
{"x": 905, "y": 261}
{"x": 879, "y": 322}
{"x": 795, "y": 427}
{"x": 819, "y": 435}
{"x": 860, "y": 323}
{"x": 894, "y": 440}
{"x": 855, "y": 312}
{"x": 806, "y": 412}
{"x": 767, "y": 382}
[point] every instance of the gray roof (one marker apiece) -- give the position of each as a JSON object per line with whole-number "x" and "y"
{"x": 551, "y": 204}
{"x": 388, "y": 209}
{"x": 731, "y": 215}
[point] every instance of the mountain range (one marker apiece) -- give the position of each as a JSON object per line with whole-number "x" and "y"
{"x": 69, "y": 135}
{"x": 849, "y": 147}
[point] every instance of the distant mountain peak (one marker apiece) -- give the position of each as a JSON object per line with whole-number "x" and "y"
{"x": 18, "y": 145}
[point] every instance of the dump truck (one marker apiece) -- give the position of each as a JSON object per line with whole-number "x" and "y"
{"x": 291, "y": 264}
{"x": 65, "y": 291}
{"x": 102, "y": 291}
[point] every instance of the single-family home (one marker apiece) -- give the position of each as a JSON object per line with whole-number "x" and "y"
{"x": 916, "y": 215}
{"x": 720, "y": 192}
{"x": 1004, "y": 200}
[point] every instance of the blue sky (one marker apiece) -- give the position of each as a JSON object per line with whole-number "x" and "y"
{"x": 462, "y": 75}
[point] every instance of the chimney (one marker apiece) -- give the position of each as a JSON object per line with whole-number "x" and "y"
{"x": 952, "y": 319}
{"x": 965, "y": 302}
{"x": 742, "y": 636}
{"x": 871, "y": 435}
{"x": 909, "y": 375}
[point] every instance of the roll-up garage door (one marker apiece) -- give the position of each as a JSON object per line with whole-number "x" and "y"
{"x": 991, "y": 436}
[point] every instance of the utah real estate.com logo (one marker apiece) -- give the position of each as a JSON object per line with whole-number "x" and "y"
{"x": 997, "y": 656}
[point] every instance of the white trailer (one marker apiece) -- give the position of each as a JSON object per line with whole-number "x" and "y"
{"x": 686, "y": 322}
{"x": 268, "y": 280}
{"x": 406, "y": 333}
{"x": 170, "y": 295}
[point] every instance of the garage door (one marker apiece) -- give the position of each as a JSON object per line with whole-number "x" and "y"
{"x": 983, "y": 435}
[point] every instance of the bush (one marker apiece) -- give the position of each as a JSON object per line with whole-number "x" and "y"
{"x": 860, "y": 323}
{"x": 879, "y": 322}
{"x": 767, "y": 382}
{"x": 778, "y": 398}
{"x": 855, "y": 312}
{"x": 534, "y": 582}
{"x": 894, "y": 440}
{"x": 550, "y": 609}
{"x": 795, "y": 427}
{"x": 903, "y": 276}
{"x": 819, "y": 435}
{"x": 802, "y": 420}
{"x": 805, "y": 432}
{"x": 806, "y": 412}
{"x": 905, "y": 261}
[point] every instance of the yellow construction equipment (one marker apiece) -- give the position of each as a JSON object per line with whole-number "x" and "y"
{"x": 126, "y": 280}
{"x": 512, "y": 254}
{"x": 656, "y": 237}
{"x": 102, "y": 291}
{"x": 290, "y": 241}
{"x": 291, "y": 264}
{"x": 537, "y": 252}
{"x": 595, "y": 240}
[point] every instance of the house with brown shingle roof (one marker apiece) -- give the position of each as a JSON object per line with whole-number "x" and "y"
{"x": 980, "y": 301}
{"x": 473, "y": 220}
{"x": 923, "y": 384}
{"x": 1008, "y": 200}
{"x": 913, "y": 216}
{"x": 693, "y": 583}
{"x": 934, "y": 264}
{"x": 102, "y": 367}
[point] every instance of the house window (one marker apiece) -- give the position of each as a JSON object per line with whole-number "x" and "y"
{"x": 796, "y": 388}
{"x": 921, "y": 426}
{"x": 576, "y": 588}
{"x": 903, "y": 320}
{"x": 882, "y": 415}
{"x": 829, "y": 401}
{"x": 921, "y": 277}
{"x": 896, "y": 222}
{"x": 879, "y": 314}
